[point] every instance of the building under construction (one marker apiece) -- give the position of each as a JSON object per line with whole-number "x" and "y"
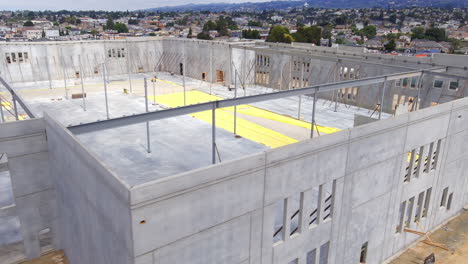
{"x": 166, "y": 150}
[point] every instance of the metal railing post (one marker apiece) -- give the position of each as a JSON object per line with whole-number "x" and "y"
{"x": 313, "y": 113}
{"x": 82, "y": 83}
{"x": 105, "y": 89}
{"x": 383, "y": 96}
{"x": 147, "y": 123}
{"x": 213, "y": 133}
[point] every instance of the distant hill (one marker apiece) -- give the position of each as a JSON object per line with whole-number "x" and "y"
{"x": 282, "y": 4}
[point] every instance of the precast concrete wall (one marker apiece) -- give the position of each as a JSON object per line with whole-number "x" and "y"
{"x": 71, "y": 60}
{"x": 92, "y": 203}
{"x": 25, "y": 144}
{"x": 326, "y": 198}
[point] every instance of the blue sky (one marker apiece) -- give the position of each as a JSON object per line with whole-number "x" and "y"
{"x": 102, "y": 4}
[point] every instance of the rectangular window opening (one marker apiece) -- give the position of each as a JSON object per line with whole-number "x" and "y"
{"x": 435, "y": 155}
{"x": 328, "y": 193}
{"x": 45, "y": 240}
{"x": 315, "y": 214}
{"x": 419, "y": 206}
{"x": 7, "y": 57}
{"x": 296, "y": 261}
{"x": 363, "y": 257}
{"x": 438, "y": 84}
{"x": 453, "y": 85}
{"x": 426, "y": 202}
{"x": 409, "y": 212}
{"x": 295, "y": 204}
{"x": 401, "y": 218}
{"x": 443, "y": 200}
{"x": 278, "y": 234}
{"x": 449, "y": 201}
{"x": 324, "y": 249}
{"x": 219, "y": 76}
{"x": 413, "y": 82}
{"x": 311, "y": 256}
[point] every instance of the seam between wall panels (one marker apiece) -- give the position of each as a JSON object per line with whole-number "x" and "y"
{"x": 441, "y": 169}
{"x": 343, "y": 228}
{"x": 263, "y": 209}
{"x": 395, "y": 196}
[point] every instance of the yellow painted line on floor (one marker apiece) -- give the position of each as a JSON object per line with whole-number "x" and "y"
{"x": 225, "y": 119}
{"x": 196, "y": 97}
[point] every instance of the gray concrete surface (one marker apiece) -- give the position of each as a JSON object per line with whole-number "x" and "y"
{"x": 105, "y": 201}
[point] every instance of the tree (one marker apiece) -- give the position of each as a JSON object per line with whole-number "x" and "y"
{"x": 28, "y": 23}
{"x": 110, "y": 23}
{"x": 455, "y": 44}
{"x": 250, "y": 34}
{"x": 254, "y": 23}
{"x": 204, "y": 35}
{"x": 121, "y": 27}
{"x": 133, "y": 21}
{"x": 437, "y": 34}
{"x": 417, "y": 33}
{"x": 391, "y": 45}
{"x": 308, "y": 35}
{"x": 210, "y": 25}
{"x": 94, "y": 32}
{"x": 189, "y": 35}
{"x": 369, "y": 31}
{"x": 279, "y": 34}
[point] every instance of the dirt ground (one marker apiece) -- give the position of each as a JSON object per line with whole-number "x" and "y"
{"x": 56, "y": 257}
{"x": 454, "y": 235}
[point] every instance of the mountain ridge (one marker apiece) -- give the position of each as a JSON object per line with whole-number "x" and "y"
{"x": 284, "y": 4}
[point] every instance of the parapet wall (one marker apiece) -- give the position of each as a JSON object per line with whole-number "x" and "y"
{"x": 341, "y": 192}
